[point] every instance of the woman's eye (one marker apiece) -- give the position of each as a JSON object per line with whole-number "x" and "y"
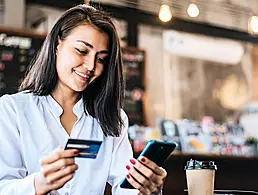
{"x": 83, "y": 52}
{"x": 101, "y": 60}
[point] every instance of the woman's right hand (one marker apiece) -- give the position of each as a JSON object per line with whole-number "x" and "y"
{"x": 55, "y": 170}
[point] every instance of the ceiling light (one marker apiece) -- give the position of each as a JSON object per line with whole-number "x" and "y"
{"x": 253, "y": 20}
{"x": 87, "y": 2}
{"x": 253, "y": 24}
{"x": 193, "y": 10}
{"x": 165, "y": 13}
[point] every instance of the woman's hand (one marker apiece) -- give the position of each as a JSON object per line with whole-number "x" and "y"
{"x": 55, "y": 171}
{"x": 145, "y": 176}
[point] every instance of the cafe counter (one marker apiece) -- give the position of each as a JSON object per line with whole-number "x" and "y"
{"x": 238, "y": 173}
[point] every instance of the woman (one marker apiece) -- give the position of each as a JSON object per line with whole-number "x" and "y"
{"x": 73, "y": 89}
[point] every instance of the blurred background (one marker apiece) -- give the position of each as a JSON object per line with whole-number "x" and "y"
{"x": 191, "y": 69}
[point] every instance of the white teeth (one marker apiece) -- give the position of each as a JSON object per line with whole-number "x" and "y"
{"x": 81, "y": 74}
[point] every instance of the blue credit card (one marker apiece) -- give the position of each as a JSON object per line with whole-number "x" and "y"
{"x": 87, "y": 148}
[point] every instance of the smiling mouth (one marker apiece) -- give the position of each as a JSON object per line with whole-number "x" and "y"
{"x": 82, "y": 75}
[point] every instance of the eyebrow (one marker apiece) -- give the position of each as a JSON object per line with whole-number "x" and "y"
{"x": 91, "y": 46}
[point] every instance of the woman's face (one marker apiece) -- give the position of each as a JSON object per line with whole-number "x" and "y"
{"x": 81, "y": 57}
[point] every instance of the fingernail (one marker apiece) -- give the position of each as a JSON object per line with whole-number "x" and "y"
{"x": 76, "y": 152}
{"x": 128, "y": 176}
{"x": 132, "y": 161}
{"x": 143, "y": 159}
{"x": 127, "y": 167}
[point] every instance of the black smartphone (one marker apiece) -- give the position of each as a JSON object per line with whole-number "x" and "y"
{"x": 156, "y": 151}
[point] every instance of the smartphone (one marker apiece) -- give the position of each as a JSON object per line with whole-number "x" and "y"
{"x": 87, "y": 148}
{"x": 156, "y": 151}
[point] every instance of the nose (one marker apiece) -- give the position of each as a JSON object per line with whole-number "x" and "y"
{"x": 89, "y": 63}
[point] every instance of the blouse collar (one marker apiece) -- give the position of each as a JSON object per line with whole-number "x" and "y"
{"x": 55, "y": 108}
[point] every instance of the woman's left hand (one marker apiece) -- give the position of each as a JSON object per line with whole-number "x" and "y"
{"x": 145, "y": 176}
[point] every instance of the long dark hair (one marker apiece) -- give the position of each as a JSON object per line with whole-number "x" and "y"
{"x": 104, "y": 97}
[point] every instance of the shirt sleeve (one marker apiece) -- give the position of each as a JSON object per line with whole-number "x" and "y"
{"x": 14, "y": 178}
{"x": 122, "y": 153}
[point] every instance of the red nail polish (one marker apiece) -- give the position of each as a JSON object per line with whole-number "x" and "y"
{"x": 143, "y": 159}
{"x": 128, "y": 176}
{"x": 132, "y": 161}
{"x": 76, "y": 152}
{"x": 127, "y": 167}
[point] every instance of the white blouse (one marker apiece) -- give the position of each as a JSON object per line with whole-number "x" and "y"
{"x": 30, "y": 128}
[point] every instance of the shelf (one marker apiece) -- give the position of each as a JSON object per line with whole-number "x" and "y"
{"x": 207, "y": 156}
{"x": 213, "y": 156}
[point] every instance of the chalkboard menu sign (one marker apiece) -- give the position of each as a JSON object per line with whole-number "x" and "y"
{"x": 134, "y": 62}
{"x": 17, "y": 49}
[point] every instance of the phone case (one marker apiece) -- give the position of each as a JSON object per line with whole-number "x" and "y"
{"x": 156, "y": 151}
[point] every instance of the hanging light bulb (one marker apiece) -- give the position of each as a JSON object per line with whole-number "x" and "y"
{"x": 253, "y": 24}
{"x": 165, "y": 13}
{"x": 253, "y": 20}
{"x": 87, "y": 2}
{"x": 193, "y": 10}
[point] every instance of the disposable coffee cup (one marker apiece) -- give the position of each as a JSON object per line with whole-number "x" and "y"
{"x": 200, "y": 176}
